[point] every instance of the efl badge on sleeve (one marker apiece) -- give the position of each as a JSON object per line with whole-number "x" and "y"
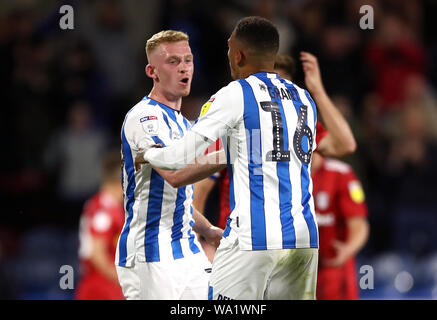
{"x": 150, "y": 124}
{"x": 356, "y": 191}
{"x": 206, "y": 106}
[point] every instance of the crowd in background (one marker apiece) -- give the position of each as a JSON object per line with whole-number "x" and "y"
{"x": 65, "y": 93}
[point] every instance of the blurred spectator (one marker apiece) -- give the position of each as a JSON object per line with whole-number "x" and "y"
{"x": 273, "y": 10}
{"x": 394, "y": 54}
{"x": 106, "y": 33}
{"x": 79, "y": 78}
{"x": 198, "y": 19}
{"x": 74, "y": 153}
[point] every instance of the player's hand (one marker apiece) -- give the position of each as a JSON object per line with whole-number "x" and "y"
{"x": 139, "y": 159}
{"x": 342, "y": 255}
{"x": 213, "y": 235}
{"x": 313, "y": 77}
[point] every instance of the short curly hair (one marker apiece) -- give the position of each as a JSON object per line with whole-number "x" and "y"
{"x": 259, "y": 34}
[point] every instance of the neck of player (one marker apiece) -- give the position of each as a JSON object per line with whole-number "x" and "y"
{"x": 168, "y": 99}
{"x": 250, "y": 69}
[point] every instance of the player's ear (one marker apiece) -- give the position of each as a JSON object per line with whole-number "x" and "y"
{"x": 240, "y": 58}
{"x": 150, "y": 72}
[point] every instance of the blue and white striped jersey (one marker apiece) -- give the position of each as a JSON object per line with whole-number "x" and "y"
{"x": 158, "y": 218}
{"x": 270, "y": 125}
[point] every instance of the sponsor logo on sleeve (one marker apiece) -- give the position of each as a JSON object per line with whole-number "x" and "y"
{"x": 206, "y": 106}
{"x": 150, "y": 124}
{"x": 356, "y": 191}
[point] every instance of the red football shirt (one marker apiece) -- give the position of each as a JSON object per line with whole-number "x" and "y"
{"x": 102, "y": 216}
{"x": 338, "y": 195}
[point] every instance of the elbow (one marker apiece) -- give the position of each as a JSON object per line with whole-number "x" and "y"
{"x": 351, "y": 147}
{"x": 346, "y": 149}
{"x": 177, "y": 179}
{"x": 177, "y": 184}
{"x": 174, "y": 181}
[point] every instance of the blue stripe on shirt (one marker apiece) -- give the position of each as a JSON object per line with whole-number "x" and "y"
{"x": 314, "y": 109}
{"x": 130, "y": 194}
{"x": 156, "y": 191}
{"x": 191, "y": 236}
{"x": 283, "y": 173}
{"x": 176, "y": 230}
{"x": 193, "y": 247}
{"x": 227, "y": 230}
{"x": 172, "y": 114}
{"x": 252, "y": 126}
{"x": 304, "y": 176}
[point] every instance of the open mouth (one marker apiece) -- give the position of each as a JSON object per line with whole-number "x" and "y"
{"x": 185, "y": 80}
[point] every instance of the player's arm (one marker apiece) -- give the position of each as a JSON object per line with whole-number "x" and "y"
{"x": 217, "y": 117}
{"x": 352, "y": 207}
{"x": 203, "y": 167}
{"x": 202, "y": 189}
{"x": 203, "y": 227}
{"x": 142, "y": 132}
{"x": 358, "y": 232}
{"x": 340, "y": 140}
{"x": 101, "y": 259}
{"x": 178, "y": 155}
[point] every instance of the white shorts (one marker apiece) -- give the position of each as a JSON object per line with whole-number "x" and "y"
{"x": 283, "y": 274}
{"x": 181, "y": 279}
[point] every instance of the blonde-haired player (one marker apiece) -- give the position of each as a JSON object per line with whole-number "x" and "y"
{"x": 158, "y": 255}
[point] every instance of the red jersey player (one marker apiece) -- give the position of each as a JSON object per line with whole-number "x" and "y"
{"x": 343, "y": 228}
{"x": 100, "y": 225}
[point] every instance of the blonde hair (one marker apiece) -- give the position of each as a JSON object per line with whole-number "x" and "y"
{"x": 164, "y": 36}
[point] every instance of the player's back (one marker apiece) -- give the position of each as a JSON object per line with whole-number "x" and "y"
{"x": 158, "y": 216}
{"x": 270, "y": 149}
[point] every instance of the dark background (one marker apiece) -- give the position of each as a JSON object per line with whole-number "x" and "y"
{"x": 64, "y": 94}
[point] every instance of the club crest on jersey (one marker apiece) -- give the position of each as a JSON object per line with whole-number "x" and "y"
{"x": 175, "y": 135}
{"x": 206, "y": 106}
{"x": 150, "y": 124}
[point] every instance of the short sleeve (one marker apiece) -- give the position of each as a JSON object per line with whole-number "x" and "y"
{"x": 220, "y": 113}
{"x": 145, "y": 127}
{"x": 351, "y": 198}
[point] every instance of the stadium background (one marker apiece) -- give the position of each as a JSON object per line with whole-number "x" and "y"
{"x": 65, "y": 94}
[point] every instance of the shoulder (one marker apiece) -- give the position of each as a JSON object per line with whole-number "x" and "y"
{"x": 142, "y": 109}
{"x": 222, "y": 99}
{"x": 143, "y": 116}
{"x": 228, "y": 91}
{"x": 337, "y": 166}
